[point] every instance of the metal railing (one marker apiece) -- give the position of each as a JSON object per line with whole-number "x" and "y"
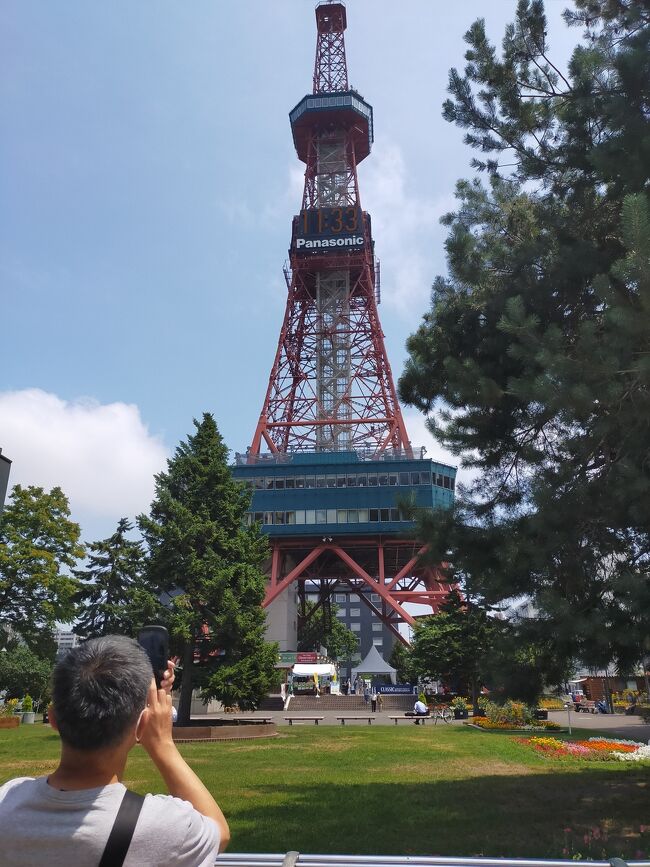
{"x": 361, "y": 454}
{"x": 299, "y": 859}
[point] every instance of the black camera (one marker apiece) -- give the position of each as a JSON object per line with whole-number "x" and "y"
{"x": 155, "y": 641}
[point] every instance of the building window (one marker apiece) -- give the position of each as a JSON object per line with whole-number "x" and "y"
{"x": 342, "y": 516}
{"x": 355, "y": 612}
{"x": 377, "y": 627}
{"x": 374, "y": 515}
{"x": 355, "y": 627}
{"x": 374, "y": 597}
{"x": 331, "y": 516}
{"x": 340, "y": 597}
{"x": 341, "y": 612}
{"x": 378, "y": 642}
{"x": 403, "y": 478}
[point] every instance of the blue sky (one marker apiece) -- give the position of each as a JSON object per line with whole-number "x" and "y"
{"x": 147, "y": 181}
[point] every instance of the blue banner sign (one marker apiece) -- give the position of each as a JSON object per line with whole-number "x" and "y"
{"x": 396, "y": 689}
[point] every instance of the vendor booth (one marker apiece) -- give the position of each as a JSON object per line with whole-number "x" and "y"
{"x": 314, "y": 678}
{"x": 373, "y": 666}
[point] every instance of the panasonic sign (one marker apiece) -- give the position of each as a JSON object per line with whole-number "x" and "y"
{"x": 349, "y": 241}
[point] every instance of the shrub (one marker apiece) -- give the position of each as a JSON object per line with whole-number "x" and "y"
{"x": 28, "y": 704}
{"x": 511, "y": 713}
{"x": 459, "y": 703}
{"x": 9, "y": 707}
{"x": 551, "y": 703}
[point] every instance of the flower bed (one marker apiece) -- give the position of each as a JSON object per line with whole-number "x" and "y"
{"x": 594, "y": 749}
{"x": 504, "y": 725}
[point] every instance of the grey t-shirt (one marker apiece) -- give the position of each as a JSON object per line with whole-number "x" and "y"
{"x": 42, "y": 825}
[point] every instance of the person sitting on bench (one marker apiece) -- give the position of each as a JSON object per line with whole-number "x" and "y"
{"x": 419, "y": 709}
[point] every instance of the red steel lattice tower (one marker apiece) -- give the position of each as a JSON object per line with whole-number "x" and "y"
{"x": 331, "y": 386}
{"x": 330, "y": 461}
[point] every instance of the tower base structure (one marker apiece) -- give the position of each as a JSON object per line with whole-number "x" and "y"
{"x": 346, "y": 518}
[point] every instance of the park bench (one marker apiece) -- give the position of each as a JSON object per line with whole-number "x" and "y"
{"x": 349, "y": 716}
{"x": 585, "y": 706}
{"x": 314, "y": 719}
{"x": 410, "y": 717}
{"x": 247, "y": 719}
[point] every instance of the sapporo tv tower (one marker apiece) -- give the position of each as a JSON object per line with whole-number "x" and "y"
{"x": 330, "y": 461}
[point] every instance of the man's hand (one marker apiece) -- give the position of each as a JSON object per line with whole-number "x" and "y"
{"x": 168, "y": 677}
{"x": 155, "y": 728}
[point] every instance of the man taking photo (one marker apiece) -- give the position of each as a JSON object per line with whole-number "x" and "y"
{"x": 104, "y": 701}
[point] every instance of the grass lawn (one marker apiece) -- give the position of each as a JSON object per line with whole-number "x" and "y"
{"x": 391, "y": 790}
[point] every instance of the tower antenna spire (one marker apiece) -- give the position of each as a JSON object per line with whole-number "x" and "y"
{"x": 330, "y": 66}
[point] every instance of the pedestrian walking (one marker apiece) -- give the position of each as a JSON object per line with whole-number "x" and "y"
{"x": 373, "y": 700}
{"x": 366, "y": 694}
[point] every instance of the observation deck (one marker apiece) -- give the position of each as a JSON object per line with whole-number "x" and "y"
{"x": 322, "y": 112}
{"x": 342, "y": 493}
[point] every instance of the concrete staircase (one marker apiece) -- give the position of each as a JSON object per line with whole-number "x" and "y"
{"x": 398, "y": 702}
{"x": 344, "y": 703}
{"x": 272, "y": 703}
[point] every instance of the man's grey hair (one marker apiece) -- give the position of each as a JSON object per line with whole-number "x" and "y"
{"x": 98, "y": 691}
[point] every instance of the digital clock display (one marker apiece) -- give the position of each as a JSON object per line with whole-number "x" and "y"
{"x": 327, "y": 229}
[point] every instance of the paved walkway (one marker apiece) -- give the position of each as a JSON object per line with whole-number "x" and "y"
{"x": 612, "y": 725}
{"x": 628, "y": 727}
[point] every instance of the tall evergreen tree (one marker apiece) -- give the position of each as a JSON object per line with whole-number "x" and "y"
{"x": 39, "y": 544}
{"x": 454, "y": 645}
{"x": 113, "y": 597}
{"x": 536, "y": 347}
{"x": 316, "y": 630}
{"x": 198, "y": 544}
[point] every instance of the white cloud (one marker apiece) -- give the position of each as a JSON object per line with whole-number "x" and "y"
{"x": 101, "y": 455}
{"x": 407, "y": 230}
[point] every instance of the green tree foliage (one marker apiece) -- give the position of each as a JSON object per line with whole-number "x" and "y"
{"x": 114, "y": 597}
{"x": 38, "y": 544}
{"x": 453, "y": 645}
{"x": 316, "y": 630}
{"x": 400, "y": 659}
{"x": 537, "y": 344}
{"x": 24, "y": 673}
{"x": 197, "y": 542}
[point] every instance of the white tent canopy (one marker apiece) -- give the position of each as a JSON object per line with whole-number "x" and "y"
{"x": 313, "y": 668}
{"x": 374, "y": 663}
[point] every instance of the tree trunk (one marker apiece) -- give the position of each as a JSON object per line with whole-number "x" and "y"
{"x": 474, "y": 696}
{"x": 185, "y": 700}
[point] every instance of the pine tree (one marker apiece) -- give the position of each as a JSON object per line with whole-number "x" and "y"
{"x": 113, "y": 597}
{"x": 198, "y": 544}
{"x": 537, "y": 344}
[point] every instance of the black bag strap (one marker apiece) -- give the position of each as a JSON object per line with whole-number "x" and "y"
{"x": 121, "y": 834}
